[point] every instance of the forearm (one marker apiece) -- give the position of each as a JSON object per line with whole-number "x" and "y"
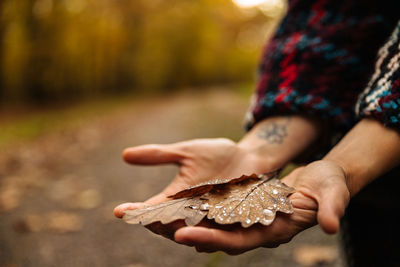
{"x": 366, "y": 152}
{"x": 280, "y": 138}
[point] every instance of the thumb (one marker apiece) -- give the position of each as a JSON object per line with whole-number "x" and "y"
{"x": 154, "y": 154}
{"x": 331, "y": 206}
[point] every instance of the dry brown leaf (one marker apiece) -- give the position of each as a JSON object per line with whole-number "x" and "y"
{"x": 206, "y": 187}
{"x": 249, "y": 203}
{"x": 177, "y": 209}
{"x": 247, "y": 200}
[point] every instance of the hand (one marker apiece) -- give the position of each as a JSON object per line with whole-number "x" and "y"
{"x": 321, "y": 196}
{"x": 199, "y": 160}
{"x": 204, "y": 159}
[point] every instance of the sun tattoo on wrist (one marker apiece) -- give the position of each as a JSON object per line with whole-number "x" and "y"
{"x": 274, "y": 132}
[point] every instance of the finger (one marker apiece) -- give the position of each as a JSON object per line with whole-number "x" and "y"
{"x": 332, "y": 205}
{"x": 166, "y": 230}
{"x": 119, "y": 211}
{"x": 154, "y": 154}
{"x": 331, "y": 196}
{"x": 209, "y": 240}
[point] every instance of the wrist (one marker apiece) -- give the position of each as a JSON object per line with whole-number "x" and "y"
{"x": 280, "y": 139}
{"x": 366, "y": 152}
{"x": 266, "y": 157}
{"x": 266, "y": 161}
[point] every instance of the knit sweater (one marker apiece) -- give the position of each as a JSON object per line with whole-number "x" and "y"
{"x": 321, "y": 58}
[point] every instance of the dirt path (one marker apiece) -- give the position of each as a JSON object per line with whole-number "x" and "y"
{"x": 57, "y": 194}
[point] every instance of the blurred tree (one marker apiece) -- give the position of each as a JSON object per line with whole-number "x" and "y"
{"x": 66, "y": 49}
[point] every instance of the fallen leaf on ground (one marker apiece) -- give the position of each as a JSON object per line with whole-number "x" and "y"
{"x": 315, "y": 255}
{"x": 10, "y": 198}
{"x": 20, "y": 226}
{"x": 34, "y": 222}
{"x": 247, "y": 200}
{"x": 64, "y": 222}
{"x": 30, "y": 223}
{"x": 88, "y": 199}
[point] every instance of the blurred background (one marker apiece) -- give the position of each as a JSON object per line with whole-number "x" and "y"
{"x": 80, "y": 80}
{"x": 73, "y": 49}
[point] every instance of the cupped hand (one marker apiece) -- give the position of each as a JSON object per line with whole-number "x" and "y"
{"x": 198, "y": 160}
{"x": 321, "y": 196}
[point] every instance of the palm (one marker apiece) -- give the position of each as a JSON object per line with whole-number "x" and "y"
{"x": 319, "y": 187}
{"x": 199, "y": 160}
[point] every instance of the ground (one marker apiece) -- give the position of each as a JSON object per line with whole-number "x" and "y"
{"x": 57, "y": 192}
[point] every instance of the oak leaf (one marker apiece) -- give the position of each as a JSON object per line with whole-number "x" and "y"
{"x": 177, "y": 209}
{"x": 246, "y": 200}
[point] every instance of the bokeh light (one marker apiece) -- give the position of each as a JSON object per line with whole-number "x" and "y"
{"x": 270, "y": 8}
{"x": 249, "y": 3}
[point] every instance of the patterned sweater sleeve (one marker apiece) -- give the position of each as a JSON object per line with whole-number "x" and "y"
{"x": 320, "y": 58}
{"x": 381, "y": 98}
